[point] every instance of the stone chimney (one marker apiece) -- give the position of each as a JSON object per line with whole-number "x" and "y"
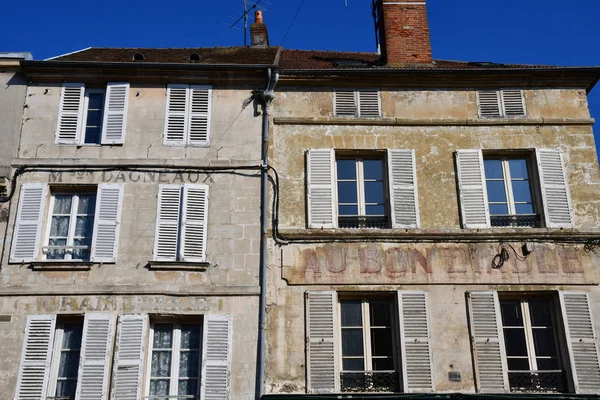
{"x": 258, "y": 32}
{"x": 405, "y": 32}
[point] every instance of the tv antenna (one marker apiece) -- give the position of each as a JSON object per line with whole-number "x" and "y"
{"x": 245, "y": 18}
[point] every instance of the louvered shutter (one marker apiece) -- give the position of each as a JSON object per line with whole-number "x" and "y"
{"x": 36, "y": 356}
{"x": 129, "y": 357}
{"x": 322, "y": 210}
{"x": 489, "y": 103}
{"x": 582, "y": 341}
{"x": 176, "y": 115}
{"x": 96, "y": 351}
{"x": 26, "y": 237}
{"x": 473, "y": 192}
{"x": 513, "y": 103}
{"x": 555, "y": 191}
{"x": 166, "y": 239}
{"x": 216, "y": 357}
{"x": 344, "y": 103}
{"x": 194, "y": 218}
{"x": 487, "y": 339}
{"x": 70, "y": 114}
{"x": 368, "y": 103}
{"x": 199, "y": 115}
{"x": 322, "y": 362}
{"x": 115, "y": 113}
{"x": 107, "y": 222}
{"x": 403, "y": 188}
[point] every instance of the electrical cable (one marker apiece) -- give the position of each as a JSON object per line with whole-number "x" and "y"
{"x": 292, "y": 23}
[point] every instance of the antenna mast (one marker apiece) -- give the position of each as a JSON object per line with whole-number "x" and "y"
{"x": 245, "y": 18}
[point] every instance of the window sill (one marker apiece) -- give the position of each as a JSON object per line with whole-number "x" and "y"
{"x": 62, "y": 265}
{"x": 178, "y": 265}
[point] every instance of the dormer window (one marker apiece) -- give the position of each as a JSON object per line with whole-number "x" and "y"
{"x": 138, "y": 57}
{"x": 194, "y": 57}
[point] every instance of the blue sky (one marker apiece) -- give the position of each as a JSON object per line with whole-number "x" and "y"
{"x": 510, "y": 31}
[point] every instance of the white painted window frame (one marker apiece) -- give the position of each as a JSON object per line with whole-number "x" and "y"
{"x": 86, "y": 103}
{"x": 360, "y": 183}
{"x": 507, "y": 178}
{"x": 56, "y": 352}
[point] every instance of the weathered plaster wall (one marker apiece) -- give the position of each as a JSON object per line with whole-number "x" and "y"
{"x": 12, "y": 98}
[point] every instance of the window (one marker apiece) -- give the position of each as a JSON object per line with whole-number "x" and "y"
{"x": 374, "y": 189}
{"x": 187, "y": 121}
{"x": 501, "y": 103}
{"x": 357, "y": 103}
{"x": 65, "y": 359}
{"x": 92, "y": 116}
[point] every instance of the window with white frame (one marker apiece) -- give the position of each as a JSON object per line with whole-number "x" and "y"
{"x": 187, "y": 116}
{"x": 501, "y": 103}
{"x": 65, "y": 358}
{"x": 357, "y": 103}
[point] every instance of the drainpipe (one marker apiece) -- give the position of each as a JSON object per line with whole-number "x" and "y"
{"x": 266, "y": 97}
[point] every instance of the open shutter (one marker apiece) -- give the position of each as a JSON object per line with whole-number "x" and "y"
{"x": 96, "y": 350}
{"x": 199, "y": 115}
{"x": 322, "y": 210}
{"x": 129, "y": 357}
{"x": 166, "y": 243}
{"x": 403, "y": 188}
{"x": 70, "y": 114}
{"x": 513, "y": 103}
{"x": 487, "y": 339}
{"x": 115, "y": 113}
{"x": 582, "y": 341}
{"x": 415, "y": 342}
{"x": 176, "y": 115}
{"x": 26, "y": 237}
{"x": 321, "y": 328}
{"x": 36, "y": 356}
{"x": 473, "y": 192}
{"x": 489, "y": 103}
{"x": 368, "y": 103}
{"x": 194, "y": 218}
{"x": 344, "y": 102}
{"x": 216, "y": 357}
{"x": 555, "y": 191}
{"x": 107, "y": 222}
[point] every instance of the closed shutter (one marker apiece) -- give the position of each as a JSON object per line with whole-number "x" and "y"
{"x": 322, "y": 210}
{"x": 26, "y": 237}
{"x": 194, "y": 218}
{"x": 368, "y": 103}
{"x": 555, "y": 191}
{"x": 35, "y": 358}
{"x": 129, "y": 357}
{"x": 473, "y": 193}
{"x": 216, "y": 357}
{"x": 199, "y": 115}
{"x": 166, "y": 240}
{"x": 70, "y": 114}
{"x": 415, "y": 342}
{"x": 106, "y": 223}
{"x": 115, "y": 113}
{"x": 487, "y": 339}
{"x": 96, "y": 351}
{"x": 344, "y": 103}
{"x": 403, "y": 188}
{"x": 513, "y": 103}
{"x": 582, "y": 342}
{"x": 489, "y": 103}
{"x": 176, "y": 115}
{"x": 322, "y": 362}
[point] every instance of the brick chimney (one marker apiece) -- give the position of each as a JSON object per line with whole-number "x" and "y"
{"x": 405, "y": 33}
{"x": 259, "y": 37}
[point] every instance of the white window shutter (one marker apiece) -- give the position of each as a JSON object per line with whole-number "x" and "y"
{"x": 96, "y": 351}
{"x": 415, "y": 342}
{"x": 115, "y": 113}
{"x": 582, "y": 341}
{"x": 36, "y": 356}
{"x": 194, "y": 222}
{"x": 322, "y": 368}
{"x": 176, "y": 115}
{"x": 368, "y": 103}
{"x": 166, "y": 246}
{"x": 558, "y": 212}
{"x": 128, "y": 366}
{"x": 107, "y": 222}
{"x": 513, "y": 103}
{"x": 26, "y": 237}
{"x": 321, "y": 191}
{"x": 199, "y": 115}
{"x": 489, "y": 103}
{"x": 216, "y": 357}
{"x": 473, "y": 192}
{"x": 344, "y": 103}
{"x": 403, "y": 188}
{"x": 70, "y": 114}
{"x": 487, "y": 339}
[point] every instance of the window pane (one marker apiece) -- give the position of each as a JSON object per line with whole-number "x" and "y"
{"x": 68, "y": 365}
{"x": 160, "y": 387}
{"x": 82, "y": 254}
{"x": 161, "y": 363}
{"x": 373, "y": 169}
{"x": 92, "y": 135}
{"x": 374, "y": 192}
{"x": 518, "y": 168}
{"x": 511, "y": 313}
{"x": 190, "y": 336}
{"x": 95, "y": 101}
{"x": 352, "y": 342}
{"x": 84, "y": 226}
{"x": 72, "y": 336}
{"x": 380, "y": 313}
{"x": 518, "y": 364}
{"x": 163, "y": 334}
{"x": 493, "y": 169}
{"x": 87, "y": 204}
{"x": 498, "y": 209}
{"x": 353, "y": 364}
{"x": 59, "y": 226}
{"x": 348, "y": 210}
{"x": 540, "y": 313}
{"x": 346, "y": 169}
{"x": 188, "y": 387}
{"x": 351, "y": 313}
{"x": 514, "y": 339}
{"x": 521, "y": 191}
{"x": 381, "y": 342}
{"x": 188, "y": 364}
{"x": 524, "y": 209}
{"x": 375, "y": 210}
{"x": 62, "y": 204}
{"x": 66, "y": 388}
{"x": 347, "y": 192}
{"x": 56, "y": 254}
{"x": 496, "y": 191}
{"x": 546, "y": 364}
{"x": 544, "y": 342}
{"x": 383, "y": 364}
{"x": 94, "y": 118}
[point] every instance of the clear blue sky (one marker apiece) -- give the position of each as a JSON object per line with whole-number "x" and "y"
{"x": 554, "y": 32}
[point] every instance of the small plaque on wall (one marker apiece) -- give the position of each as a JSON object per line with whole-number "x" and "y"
{"x": 454, "y": 376}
